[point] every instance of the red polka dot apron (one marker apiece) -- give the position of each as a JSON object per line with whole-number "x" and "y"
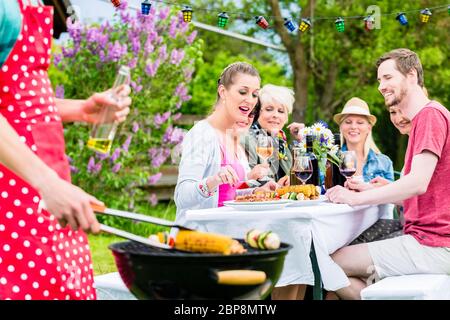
{"x": 38, "y": 258}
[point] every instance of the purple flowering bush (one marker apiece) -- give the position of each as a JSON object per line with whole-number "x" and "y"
{"x": 161, "y": 51}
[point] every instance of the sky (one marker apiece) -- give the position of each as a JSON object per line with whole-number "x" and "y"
{"x": 95, "y": 10}
{"x": 90, "y": 11}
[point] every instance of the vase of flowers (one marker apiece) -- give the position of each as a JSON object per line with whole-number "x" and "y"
{"x": 323, "y": 146}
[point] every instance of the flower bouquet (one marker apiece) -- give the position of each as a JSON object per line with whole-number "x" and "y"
{"x": 323, "y": 145}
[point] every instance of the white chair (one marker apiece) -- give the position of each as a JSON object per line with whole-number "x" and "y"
{"x": 111, "y": 287}
{"x": 409, "y": 287}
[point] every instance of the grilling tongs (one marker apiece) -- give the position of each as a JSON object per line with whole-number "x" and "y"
{"x": 136, "y": 217}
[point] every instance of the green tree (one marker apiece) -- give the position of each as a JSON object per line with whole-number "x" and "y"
{"x": 329, "y": 67}
{"x": 204, "y": 85}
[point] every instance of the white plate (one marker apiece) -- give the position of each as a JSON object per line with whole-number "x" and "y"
{"x": 304, "y": 203}
{"x": 257, "y": 206}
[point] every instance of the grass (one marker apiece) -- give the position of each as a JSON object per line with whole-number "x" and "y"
{"x": 102, "y": 257}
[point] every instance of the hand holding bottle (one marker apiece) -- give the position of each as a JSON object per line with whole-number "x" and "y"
{"x": 105, "y": 126}
{"x": 91, "y": 110}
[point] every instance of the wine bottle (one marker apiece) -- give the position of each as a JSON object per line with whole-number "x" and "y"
{"x": 315, "y": 164}
{"x": 337, "y": 178}
{"x": 294, "y": 181}
{"x": 328, "y": 175}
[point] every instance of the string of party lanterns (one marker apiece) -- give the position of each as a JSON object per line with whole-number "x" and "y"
{"x": 291, "y": 26}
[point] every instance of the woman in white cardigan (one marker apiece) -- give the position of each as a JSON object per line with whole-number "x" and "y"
{"x": 213, "y": 164}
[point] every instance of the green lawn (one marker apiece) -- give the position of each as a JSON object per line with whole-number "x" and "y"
{"x": 102, "y": 257}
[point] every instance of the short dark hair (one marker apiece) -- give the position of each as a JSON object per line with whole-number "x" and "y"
{"x": 405, "y": 60}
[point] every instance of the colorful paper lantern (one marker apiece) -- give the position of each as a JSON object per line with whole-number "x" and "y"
{"x": 340, "y": 24}
{"x": 262, "y": 22}
{"x": 304, "y": 25}
{"x": 187, "y": 14}
{"x": 145, "y": 7}
{"x": 289, "y": 25}
{"x": 116, "y": 3}
{"x": 223, "y": 20}
{"x": 425, "y": 15}
{"x": 369, "y": 23}
{"x": 401, "y": 17}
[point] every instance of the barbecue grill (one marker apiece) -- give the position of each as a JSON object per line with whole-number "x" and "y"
{"x": 154, "y": 273}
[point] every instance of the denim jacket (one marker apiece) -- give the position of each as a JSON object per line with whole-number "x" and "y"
{"x": 377, "y": 165}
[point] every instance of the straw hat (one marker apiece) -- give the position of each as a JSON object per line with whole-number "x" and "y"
{"x": 355, "y": 106}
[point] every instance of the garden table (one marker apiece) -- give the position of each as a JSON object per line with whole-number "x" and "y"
{"x": 325, "y": 227}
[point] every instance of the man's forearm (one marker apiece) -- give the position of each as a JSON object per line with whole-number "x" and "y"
{"x": 70, "y": 109}
{"x": 395, "y": 192}
{"x": 17, "y": 157}
{"x": 410, "y": 185}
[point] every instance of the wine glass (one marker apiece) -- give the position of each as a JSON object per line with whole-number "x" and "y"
{"x": 348, "y": 163}
{"x": 303, "y": 168}
{"x": 264, "y": 148}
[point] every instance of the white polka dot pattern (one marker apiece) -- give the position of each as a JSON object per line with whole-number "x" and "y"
{"x": 38, "y": 258}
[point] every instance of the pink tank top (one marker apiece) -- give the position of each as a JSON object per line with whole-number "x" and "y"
{"x": 227, "y": 192}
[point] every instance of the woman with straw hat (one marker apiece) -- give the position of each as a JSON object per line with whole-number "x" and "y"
{"x": 355, "y": 124}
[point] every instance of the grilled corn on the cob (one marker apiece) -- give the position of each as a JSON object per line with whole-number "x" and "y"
{"x": 195, "y": 241}
{"x": 309, "y": 190}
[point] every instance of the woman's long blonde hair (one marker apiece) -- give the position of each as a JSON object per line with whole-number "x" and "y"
{"x": 368, "y": 144}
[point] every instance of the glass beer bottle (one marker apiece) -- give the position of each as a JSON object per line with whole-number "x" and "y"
{"x": 103, "y": 132}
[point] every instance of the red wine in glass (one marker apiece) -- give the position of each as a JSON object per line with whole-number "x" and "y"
{"x": 348, "y": 166}
{"x": 348, "y": 172}
{"x": 303, "y": 168}
{"x": 304, "y": 175}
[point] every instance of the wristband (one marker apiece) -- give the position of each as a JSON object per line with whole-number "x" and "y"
{"x": 203, "y": 187}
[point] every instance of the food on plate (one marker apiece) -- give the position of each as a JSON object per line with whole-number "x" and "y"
{"x": 267, "y": 240}
{"x": 257, "y": 197}
{"x": 207, "y": 243}
{"x": 301, "y": 192}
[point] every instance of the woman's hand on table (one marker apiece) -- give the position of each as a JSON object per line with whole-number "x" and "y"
{"x": 284, "y": 182}
{"x": 269, "y": 186}
{"x": 259, "y": 171}
{"x": 340, "y": 194}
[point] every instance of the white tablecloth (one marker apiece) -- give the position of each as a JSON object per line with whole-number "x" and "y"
{"x": 331, "y": 226}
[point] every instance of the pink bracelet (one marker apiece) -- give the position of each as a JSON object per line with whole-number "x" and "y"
{"x": 204, "y": 189}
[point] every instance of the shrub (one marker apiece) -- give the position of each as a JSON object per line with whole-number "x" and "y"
{"x": 162, "y": 54}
